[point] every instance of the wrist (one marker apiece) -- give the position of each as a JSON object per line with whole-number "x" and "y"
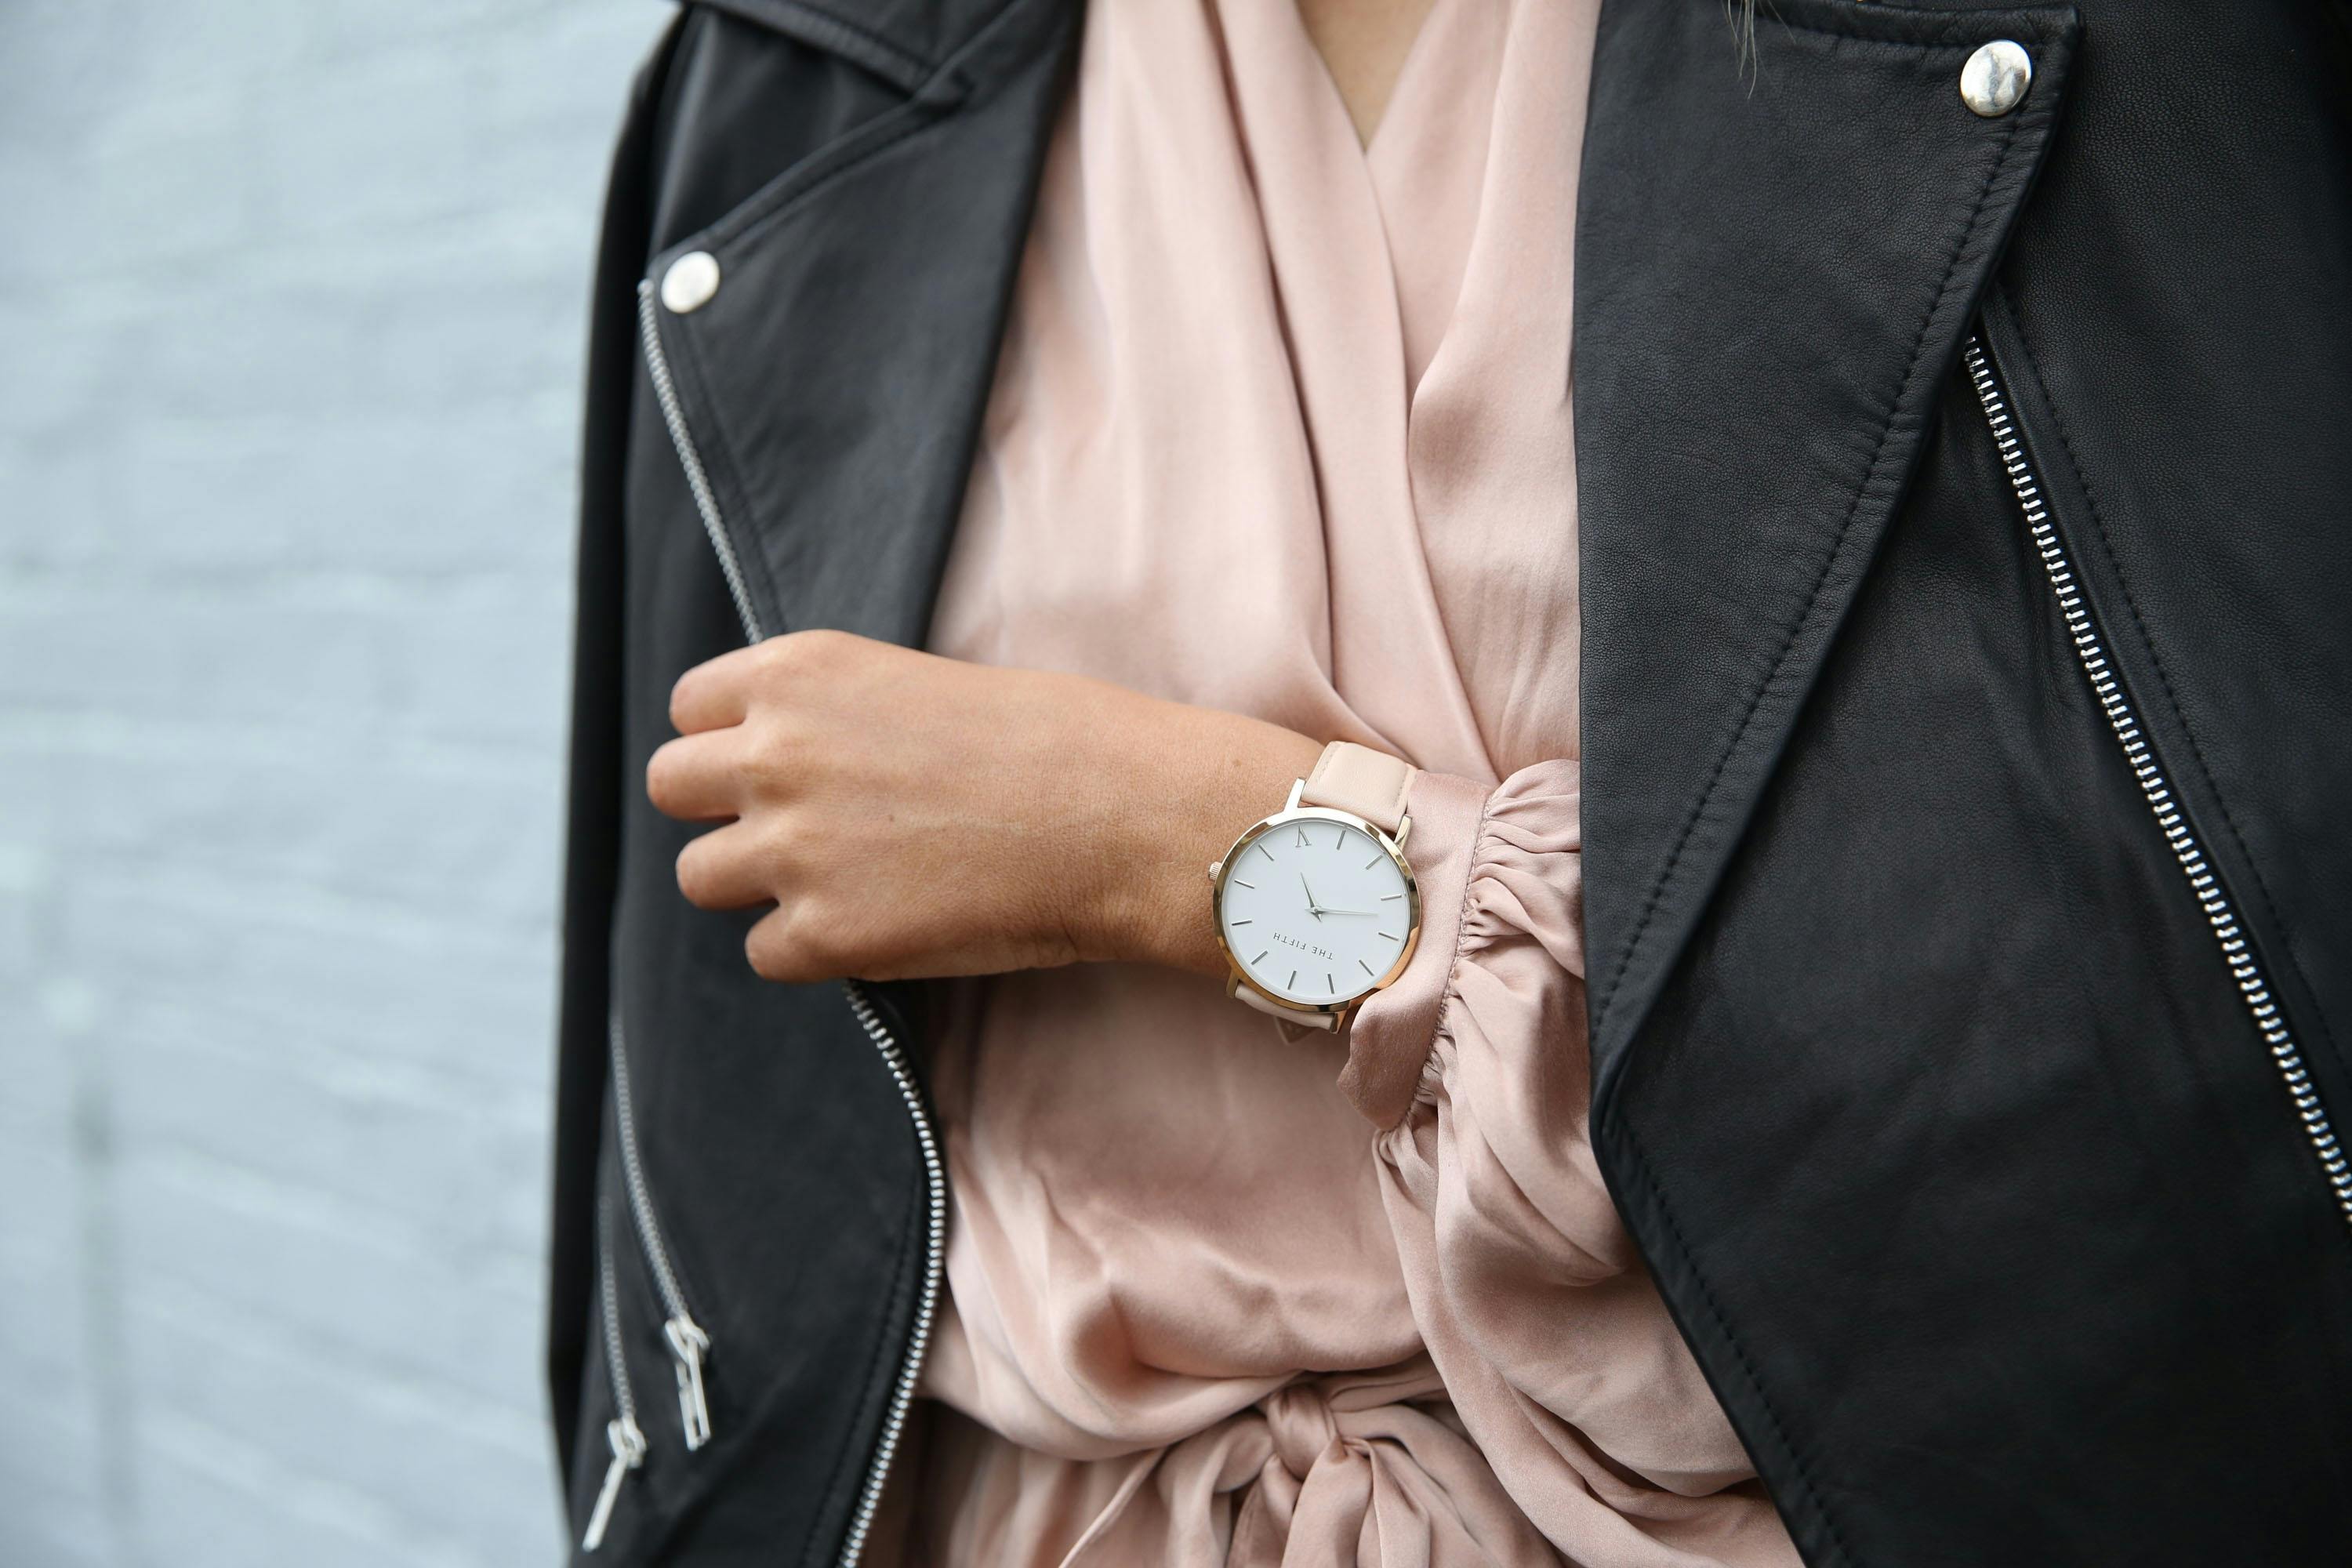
{"x": 1203, "y": 778}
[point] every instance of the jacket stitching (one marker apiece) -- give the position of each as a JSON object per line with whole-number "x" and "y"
{"x": 2156, "y": 659}
{"x": 914, "y": 66}
{"x": 919, "y": 116}
{"x": 1812, "y": 598}
{"x": 846, "y": 1451}
{"x": 719, "y": 464}
{"x": 1921, "y": 31}
{"x": 721, "y": 451}
{"x": 1805, "y": 1482}
{"x": 850, "y": 149}
{"x": 1811, "y": 1493}
{"x": 921, "y": 111}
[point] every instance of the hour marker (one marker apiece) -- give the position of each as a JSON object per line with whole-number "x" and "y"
{"x": 1260, "y": 957}
{"x": 1327, "y": 980}
{"x": 1363, "y": 966}
{"x": 1385, "y": 936}
{"x": 1241, "y": 922}
{"x": 1264, "y": 850}
{"x": 1372, "y": 862}
{"x": 1390, "y": 897}
{"x": 1302, "y": 839}
{"x": 1239, "y": 883}
{"x": 1293, "y": 981}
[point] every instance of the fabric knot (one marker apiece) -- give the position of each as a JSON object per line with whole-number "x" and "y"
{"x": 1304, "y": 1429}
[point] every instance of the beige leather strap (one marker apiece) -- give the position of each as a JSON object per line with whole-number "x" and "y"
{"x": 1291, "y": 1018}
{"x": 1371, "y": 784}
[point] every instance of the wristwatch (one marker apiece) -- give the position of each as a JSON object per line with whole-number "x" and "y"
{"x": 1315, "y": 906}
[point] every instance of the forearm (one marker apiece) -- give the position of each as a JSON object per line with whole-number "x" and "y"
{"x": 910, "y": 816}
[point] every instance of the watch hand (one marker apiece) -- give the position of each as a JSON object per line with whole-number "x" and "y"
{"x": 1312, "y": 908}
{"x": 1329, "y": 911}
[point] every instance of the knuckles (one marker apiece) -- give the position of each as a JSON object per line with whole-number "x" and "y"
{"x": 797, "y": 657}
{"x": 774, "y": 958}
{"x": 774, "y": 668}
{"x": 805, "y": 941}
{"x": 789, "y": 948}
{"x": 768, "y": 764}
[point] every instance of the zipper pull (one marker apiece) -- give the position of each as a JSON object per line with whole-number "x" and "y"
{"x": 688, "y": 1345}
{"x": 628, "y": 1446}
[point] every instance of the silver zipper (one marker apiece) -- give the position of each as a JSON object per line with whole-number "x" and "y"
{"x": 689, "y": 1344}
{"x": 935, "y": 1248}
{"x": 2269, "y": 1020}
{"x": 689, "y": 457}
{"x": 894, "y": 1055}
{"x": 621, "y": 1433}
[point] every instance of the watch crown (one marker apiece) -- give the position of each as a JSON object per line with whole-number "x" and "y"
{"x": 1215, "y": 867}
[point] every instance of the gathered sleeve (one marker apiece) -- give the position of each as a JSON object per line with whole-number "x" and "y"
{"x": 1529, "y": 1293}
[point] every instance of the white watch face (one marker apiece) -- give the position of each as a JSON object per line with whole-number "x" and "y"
{"x": 1316, "y": 911}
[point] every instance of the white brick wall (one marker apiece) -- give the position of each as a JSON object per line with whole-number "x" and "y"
{"x": 291, "y": 310}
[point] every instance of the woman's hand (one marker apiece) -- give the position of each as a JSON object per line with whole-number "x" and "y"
{"x": 913, "y": 815}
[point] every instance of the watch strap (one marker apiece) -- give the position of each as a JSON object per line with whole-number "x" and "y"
{"x": 1292, "y": 1017}
{"x": 1359, "y": 780}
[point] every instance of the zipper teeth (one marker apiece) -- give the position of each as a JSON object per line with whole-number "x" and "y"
{"x": 624, "y": 1397}
{"x": 2270, "y": 1021}
{"x": 894, "y": 1056}
{"x": 621, "y": 1433}
{"x": 691, "y": 457}
{"x": 632, "y": 1172}
{"x": 934, "y": 1178}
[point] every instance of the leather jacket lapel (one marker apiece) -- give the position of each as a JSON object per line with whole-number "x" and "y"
{"x": 1738, "y": 457}
{"x": 835, "y": 382}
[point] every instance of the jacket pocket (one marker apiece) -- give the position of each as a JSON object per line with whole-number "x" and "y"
{"x": 623, "y": 1438}
{"x": 689, "y": 1344}
{"x": 630, "y": 1216}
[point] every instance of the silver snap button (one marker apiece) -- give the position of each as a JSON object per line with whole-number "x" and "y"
{"x": 1994, "y": 80}
{"x": 690, "y": 282}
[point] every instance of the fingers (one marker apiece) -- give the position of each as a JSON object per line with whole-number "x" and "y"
{"x": 715, "y": 693}
{"x": 724, "y": 869}
{"x": 772, "y": 951}
{"x": 697, "y": 778}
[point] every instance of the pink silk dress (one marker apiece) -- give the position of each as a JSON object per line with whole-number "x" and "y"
{"x": 1282, "y": 426}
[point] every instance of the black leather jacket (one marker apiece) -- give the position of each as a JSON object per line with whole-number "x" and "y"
{"x": 1966, "y": 529}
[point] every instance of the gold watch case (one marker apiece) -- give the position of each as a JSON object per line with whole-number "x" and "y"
{"x": 1294, "y": 812}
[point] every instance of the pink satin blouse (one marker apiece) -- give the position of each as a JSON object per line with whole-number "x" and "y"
{"x": 1282, "y": 426}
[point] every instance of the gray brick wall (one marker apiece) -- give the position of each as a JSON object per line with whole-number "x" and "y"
{"x": 292, "y": 306}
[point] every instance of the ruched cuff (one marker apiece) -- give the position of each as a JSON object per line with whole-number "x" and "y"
{"x": 1487, "y": 861}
